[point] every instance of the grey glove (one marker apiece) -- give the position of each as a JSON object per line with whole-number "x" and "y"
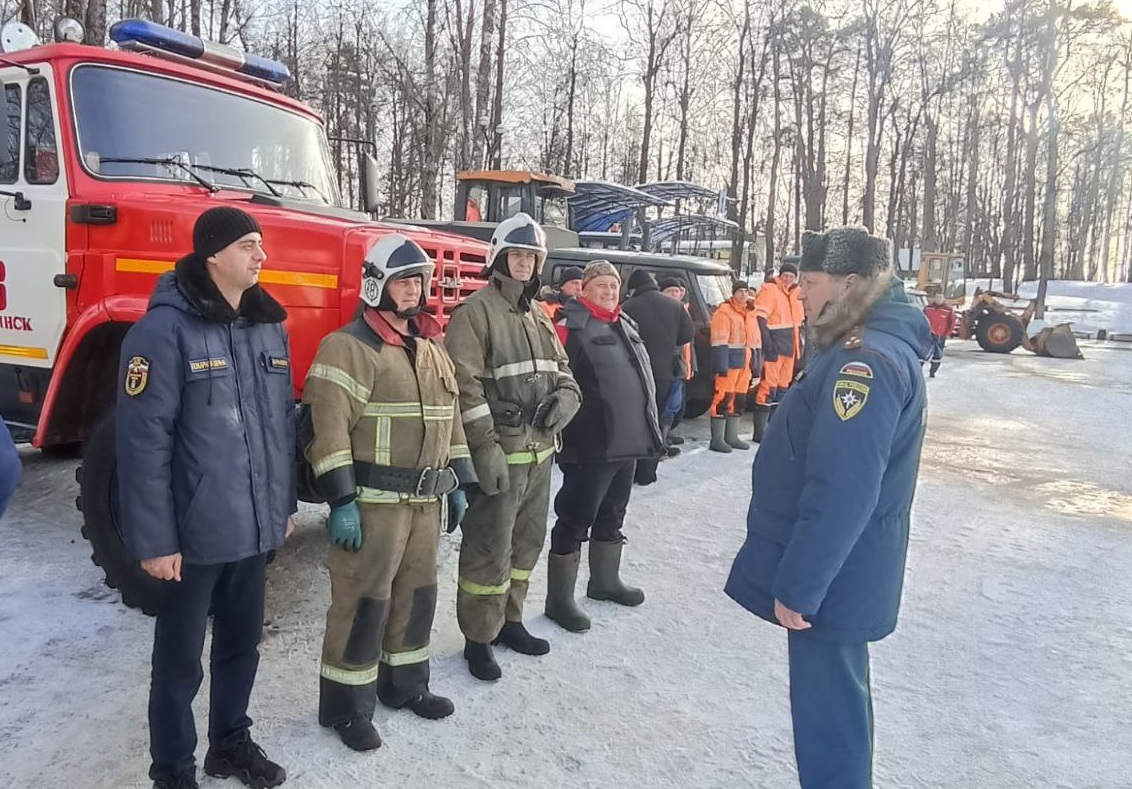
{"x": 491, "y": 468}
{"x": 556, "y": 411}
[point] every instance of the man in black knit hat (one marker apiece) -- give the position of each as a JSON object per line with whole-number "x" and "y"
{"x": 206, "y": 442}
{"x": 664, "y": 326}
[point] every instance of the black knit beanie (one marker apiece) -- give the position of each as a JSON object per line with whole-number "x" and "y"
{"x": 788, "y": 267}
{"x": 216, "y": 228}
{"x": 640, "y": 278}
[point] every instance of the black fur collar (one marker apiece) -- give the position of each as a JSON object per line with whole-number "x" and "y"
{"x": 257, "y": 305}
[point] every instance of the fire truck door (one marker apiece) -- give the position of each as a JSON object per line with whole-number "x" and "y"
{"x": 33, "y": 310}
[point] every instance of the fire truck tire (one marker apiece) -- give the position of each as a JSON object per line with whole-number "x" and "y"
{"x": 98, "y": 502}
{"x": 999, "y": 333}
{"x": 69, "y": 451}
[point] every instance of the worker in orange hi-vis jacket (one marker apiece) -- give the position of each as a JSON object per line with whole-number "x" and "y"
{"x": 730, "y": 353}
{"x": 780, "y": 335}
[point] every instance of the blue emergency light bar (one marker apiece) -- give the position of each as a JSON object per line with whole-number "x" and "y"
{"x": 141, "y": 35}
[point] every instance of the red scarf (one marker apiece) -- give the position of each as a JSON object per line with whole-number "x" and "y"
{"x": 601, "y": 313}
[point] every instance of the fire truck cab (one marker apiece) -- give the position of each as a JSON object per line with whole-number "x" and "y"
{"x": 107, "y": 156}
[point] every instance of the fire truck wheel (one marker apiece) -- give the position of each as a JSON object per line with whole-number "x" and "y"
{"x": 98, "y": 486}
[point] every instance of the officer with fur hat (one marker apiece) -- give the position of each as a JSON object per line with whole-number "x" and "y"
{"x": 827, "y": 529}
{"x": 387, "y": 445}
{"x": 207, "y": 487}
{"x": 516, "y": 395}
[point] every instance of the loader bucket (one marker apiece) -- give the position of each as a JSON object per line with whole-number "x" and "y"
{"x": 1057, "y": 342}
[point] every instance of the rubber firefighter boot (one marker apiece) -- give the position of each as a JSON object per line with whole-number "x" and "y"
{"x": 605, "y": 575}
{"x": 718, "y": 427}
{"x": 762, "y": 417}
{"x": 561, "y": 577}
{"x": 516, "y": 636}
{"x": 731, "y": 433}
{"x": 481, "y": 661}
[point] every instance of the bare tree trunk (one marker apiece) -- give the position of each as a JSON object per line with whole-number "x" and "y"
{"x": 733, "y": 205}
{"x": 497, "y": 107}
{"x": 483, "y": 84}
{"x": 931, "y": 133}
{"x": 1030, "y": 191}
{"x": 1049, "y": 209}
{"x": 849, "y": 137}
{"x": 430, "y": 170}
{"x": 1008, "y": 197}
{"x": 776, "y": 157}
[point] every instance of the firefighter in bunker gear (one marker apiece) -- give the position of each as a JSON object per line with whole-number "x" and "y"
{"x": 516, "y": 395}
{"x": 386, "y": 444}
{"x": 731, "y": 356}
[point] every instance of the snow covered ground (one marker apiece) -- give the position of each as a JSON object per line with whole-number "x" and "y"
{"x": 1011, "y": 667}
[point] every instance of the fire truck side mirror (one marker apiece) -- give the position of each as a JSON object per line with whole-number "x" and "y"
{"x": 370, "y": 178}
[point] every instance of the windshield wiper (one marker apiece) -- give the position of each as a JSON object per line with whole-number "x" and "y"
{"x": 244, "y": 173}
{"x": 302, "y": 185}
{"x": 168, "y": 162}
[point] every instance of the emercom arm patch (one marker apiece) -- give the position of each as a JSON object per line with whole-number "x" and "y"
{"x": 857, "y": 369}
{"x": 137, "y": 375}
{"x": 849, "y": 398}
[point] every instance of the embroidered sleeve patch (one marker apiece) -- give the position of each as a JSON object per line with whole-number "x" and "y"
{"x": 137, "y": 375}
{"x": 857, "y": 369}
{"x": 849, "y": 398}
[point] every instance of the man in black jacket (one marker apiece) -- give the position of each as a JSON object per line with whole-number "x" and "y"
{"x": 616, "y": 428}
{"x": 665, "y": 326}
{"x": 206, "y": 471}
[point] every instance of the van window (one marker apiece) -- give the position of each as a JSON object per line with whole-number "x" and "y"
{"x": 10, "y": 164}
{"x": 41, "y": 162}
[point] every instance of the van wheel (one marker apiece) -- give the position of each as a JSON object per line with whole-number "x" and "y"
{"x": 696, "y": 407}
{"x": 98, "y": 502}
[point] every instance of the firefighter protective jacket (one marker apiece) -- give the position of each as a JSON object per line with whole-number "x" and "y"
{"x": 373, "y": 402}
{"x": 508, "y": 360}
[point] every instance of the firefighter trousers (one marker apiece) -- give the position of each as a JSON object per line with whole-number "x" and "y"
{"x": 382, "y": 602}
{"x": 503, "y": 536}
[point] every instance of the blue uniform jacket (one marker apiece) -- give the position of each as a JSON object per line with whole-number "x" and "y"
{"x": 832, "y": 484}
{"x": 205, "y": 424}
{"x": 10, "y": 467}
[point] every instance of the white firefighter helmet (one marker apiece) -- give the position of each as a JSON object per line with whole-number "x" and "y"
{"x": 394, "y": 257}
{"x": 517, "y": 232}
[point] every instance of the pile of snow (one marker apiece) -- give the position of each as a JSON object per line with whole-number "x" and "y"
{"x": 1089, "y": 306}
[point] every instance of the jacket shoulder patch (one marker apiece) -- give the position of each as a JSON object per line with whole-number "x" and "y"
{"x": 849, "y": 398}
{"x": 856, "y": 369}
{"x": 137, "y": 375}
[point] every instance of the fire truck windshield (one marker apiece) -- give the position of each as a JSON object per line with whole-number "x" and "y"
{"x": 138, "y": 126}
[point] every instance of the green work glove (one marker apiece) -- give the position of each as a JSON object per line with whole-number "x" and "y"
{"x": 457, "y": 508}
{"x": 345, "y": 525}
{"x": 491, "y": 468}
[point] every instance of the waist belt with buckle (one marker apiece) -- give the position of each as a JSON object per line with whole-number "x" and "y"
{"x": 428, "y": 481}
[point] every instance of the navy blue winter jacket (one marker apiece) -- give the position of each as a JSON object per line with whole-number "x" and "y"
{"x": 827, "y": 529}
{"x": 205, "y": 423}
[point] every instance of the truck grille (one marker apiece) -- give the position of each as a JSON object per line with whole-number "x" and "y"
{"x": 459, "y": 273}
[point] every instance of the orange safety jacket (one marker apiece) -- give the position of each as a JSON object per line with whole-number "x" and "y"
{"x": 729, "y": 342}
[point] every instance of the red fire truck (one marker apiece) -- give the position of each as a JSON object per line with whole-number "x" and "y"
{"x": 108, "y": 157}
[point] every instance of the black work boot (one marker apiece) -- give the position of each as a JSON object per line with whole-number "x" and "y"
{"x": 731, "y": 433}
{"x": 246, "y": 761}
{"x": 481, "y": 661}
{"x": 561, "y": 577}
{"x": 359, "y": 734}
{"x": 516, "y": 636}
{"x": 605, "y": 575}
{"x": 429, "y": 705}
{"x": 182, "y": 780}
{"x": 761, "y": 418}
{"x": 718, "y": 427}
